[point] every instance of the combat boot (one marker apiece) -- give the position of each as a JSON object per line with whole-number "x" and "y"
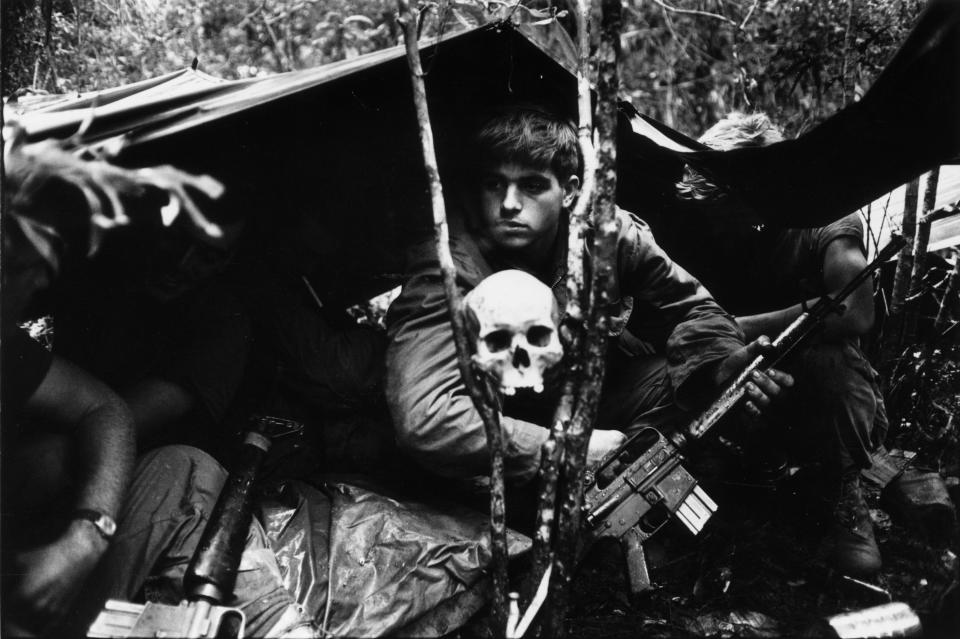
{"x": 852, "y": 547}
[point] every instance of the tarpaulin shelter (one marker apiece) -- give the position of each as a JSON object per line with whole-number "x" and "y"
{"x": 338, "y": 143}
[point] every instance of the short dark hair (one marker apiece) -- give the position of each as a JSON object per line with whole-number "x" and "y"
{"x": 532, "y": 136}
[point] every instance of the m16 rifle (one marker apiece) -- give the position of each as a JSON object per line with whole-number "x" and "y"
{"x": 637, "y": 488}
{"x": 212, "y": 571}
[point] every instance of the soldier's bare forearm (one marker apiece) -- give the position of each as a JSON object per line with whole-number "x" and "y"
{"x": 106, "y": 440}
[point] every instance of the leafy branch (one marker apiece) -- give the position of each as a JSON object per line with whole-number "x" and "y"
{"x": 30, "y": 169}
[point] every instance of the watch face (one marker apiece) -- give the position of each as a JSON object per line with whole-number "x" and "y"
{"x": 106, "y": 525}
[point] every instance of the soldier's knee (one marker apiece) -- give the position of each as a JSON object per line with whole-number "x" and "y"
{"x": 178, "y": 454}
{"x": 835, "y": 373}
{"x": 184, "y": 462}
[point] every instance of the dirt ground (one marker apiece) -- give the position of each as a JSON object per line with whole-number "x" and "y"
{"x": 757, "y": 571}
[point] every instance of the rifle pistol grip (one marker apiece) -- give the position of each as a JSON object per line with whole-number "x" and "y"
{"x": 638, "y": 575}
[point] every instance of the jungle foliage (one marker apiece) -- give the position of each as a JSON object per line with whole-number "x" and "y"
{"x": 686, "y": 62}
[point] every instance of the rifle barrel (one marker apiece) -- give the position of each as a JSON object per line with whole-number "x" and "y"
{"x": 794, "y": 334}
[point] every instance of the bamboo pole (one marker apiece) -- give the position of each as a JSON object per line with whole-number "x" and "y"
{"x": 479, "y": 390}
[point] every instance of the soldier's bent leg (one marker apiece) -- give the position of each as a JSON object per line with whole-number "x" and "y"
{"x": 636, "y": 393}
{"x": 835, "y": 384}
{"x": 159, "y": 526}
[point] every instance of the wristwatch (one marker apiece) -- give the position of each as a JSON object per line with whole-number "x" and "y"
{"x": 104, "y": 524}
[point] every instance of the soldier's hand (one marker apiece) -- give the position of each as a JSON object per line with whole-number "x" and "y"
{"x": 602, "y": 443}
{"x": 763, "y": 385}
{"x": 53, "y": 575}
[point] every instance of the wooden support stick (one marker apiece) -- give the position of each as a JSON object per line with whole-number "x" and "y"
{"x": 592, "y": 348}
{"x": 551, "y": 456}
{"x": 476, "y": 386}
{"x": 922, "y": 239}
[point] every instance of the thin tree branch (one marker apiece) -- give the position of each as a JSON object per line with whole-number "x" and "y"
{"x": 281, "y": 54}
{"x": 949, "y": 296}
{"x": 551, "y": 455}
{"x": 894, "y": 328}
{"x": 605, "y": 222}
{"x": 901, "y": 284}
{"x": 922, "y": 240}
{"x": 593, "y": 349}
{"x": 577, "y": 296}
{"x": 479, "y": 390}
{"x": 695, "y": 12}
{"x": 846, "y": 50}
{"x": 746, "y": 18}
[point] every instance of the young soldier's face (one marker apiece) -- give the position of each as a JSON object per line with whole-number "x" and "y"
{"x": 520, "y": 206}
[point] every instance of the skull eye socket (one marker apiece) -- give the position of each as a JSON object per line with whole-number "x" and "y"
{"x": 539, "y": 335}
{"x": 498, "y": 341}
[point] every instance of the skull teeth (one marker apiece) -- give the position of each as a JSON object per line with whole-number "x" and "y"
{"x": 538, "y": 388}
{"x": 508, "y": 390}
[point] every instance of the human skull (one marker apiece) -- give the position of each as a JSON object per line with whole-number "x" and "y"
{"x": 513, "y": 317}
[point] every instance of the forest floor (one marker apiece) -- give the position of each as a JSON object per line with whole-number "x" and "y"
{"x": 758, "y": 569}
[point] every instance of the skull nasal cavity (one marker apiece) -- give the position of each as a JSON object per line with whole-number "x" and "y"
{"x": 520, "y": 358}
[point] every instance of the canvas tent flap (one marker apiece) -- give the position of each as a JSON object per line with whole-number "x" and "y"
{"x": 144, "y": 108}
{"x": 338, "y": 144}
{"x": 906, "y": 123}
